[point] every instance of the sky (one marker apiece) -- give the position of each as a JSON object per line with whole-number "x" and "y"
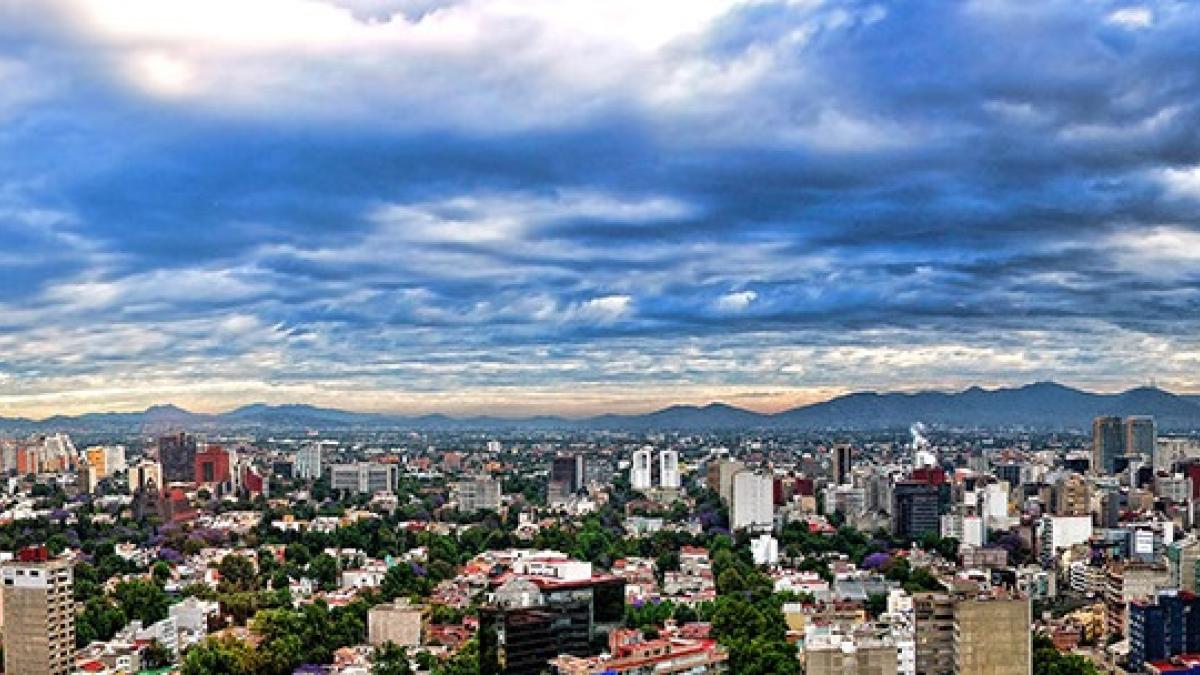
{"x": 572, "y": 206}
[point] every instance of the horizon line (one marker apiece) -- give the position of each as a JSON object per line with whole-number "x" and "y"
{"x": 571, "y": 417}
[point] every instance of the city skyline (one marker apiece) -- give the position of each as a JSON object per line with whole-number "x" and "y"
{"x": 576, "y": 207}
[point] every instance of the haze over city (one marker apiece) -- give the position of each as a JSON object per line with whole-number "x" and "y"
{"x": 591, "y": 206}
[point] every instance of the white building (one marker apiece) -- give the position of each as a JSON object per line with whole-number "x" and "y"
{"x": 765, "y": 550}
{"x": 640, "y": 473}
{"x": 1059, "y": 532}
{"x": 753, "y": 502}
{"x": 668, "y": 469}
{"x": 308, "y": 462}
{"x": 480, "y": 494}
{"x": 364, "y": 477}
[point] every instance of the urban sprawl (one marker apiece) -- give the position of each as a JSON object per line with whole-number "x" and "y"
{"x": 928, "y": 551}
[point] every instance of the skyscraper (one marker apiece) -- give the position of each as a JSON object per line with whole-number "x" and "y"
{"x": 1140, "y": 437}
{"x": 1108, "y": 442}
{"x": 39, "y": 614}
{"x": 842, "y": 461}
{"x": 668, "y": 469}
{"x": 308, "y": 462}
{"x": 915, "y": 509}
{"x": 753, "y": 504}
{"x": 568, "y": 470}
{"x": 640, "y": 474}
{"x": 177, "y": 454}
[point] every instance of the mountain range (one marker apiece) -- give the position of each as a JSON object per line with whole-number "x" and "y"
{"x": 1038, "y": 406}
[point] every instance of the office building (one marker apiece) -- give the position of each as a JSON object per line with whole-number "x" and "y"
{"x": 177, "y": 455}
{"x": 668, "y": 469}
{"x": 933, "y": 615}
{"x": 211, "y": 466}
{"x": 400, "y": 623}
{"x": 308, "y": 462}
{"x": 479, "y": 494}
{"x": 842, "y": 463}
{"x": 915, "y": 509}
{"x": 726, "y": 470}
{"x": 1163, "y": 627}
{"x": 1141, "y": 438}
{"x": 1071, "y": 496}
{"x": 1127, "y": 582}
{"x": 39, "y": 614}
{"x": 640, "y": 473}
{"x": 567, "y": 470}
{"x": 827, "y": 651}
{"x": 522, "y": 640}
{"x": 365, "y": 478}
{"x": 753, "y": 506}
{"x": 992, "y": 637}
{"x": 146, "y": 474}
{"x": 1108, "y": 443}
{"x": 1183, "y": 559}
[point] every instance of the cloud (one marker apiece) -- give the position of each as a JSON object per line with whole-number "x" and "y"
{"x": 442, "y": 201}
{"x": 737, "y": 301}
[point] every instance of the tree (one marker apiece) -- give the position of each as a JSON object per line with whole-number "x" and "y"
{"x": 229, "y": 655}
{"x": 1047, "y": 660}
{"x": 143, "y": 600}
{"x": 390, "y": 660}
{"x": 237, "y": 574}
{"x": 324, "y": 568}
{"x": 161, "y": 572}
{"x": 154, "y": 655}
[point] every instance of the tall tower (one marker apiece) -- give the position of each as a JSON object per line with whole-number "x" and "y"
{"x": 1140, "y": 437}
{"x": 308, "y": 462}
{"x": 1108, "y": 442}
{"x": 177, "y": 454}
{"x": 640, "y": 477}
{"x": 842, "y": 461}
{"x": 668, "y": 469}
{"x": 39, "y": 614}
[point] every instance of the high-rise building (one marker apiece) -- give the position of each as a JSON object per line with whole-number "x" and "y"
{"x": 568, "y": 470}
{"x": 1071, "y": 496}
{"x": 308, "y": 462}
{"x": 1108, "y": 443}
{"x": 480, "y": 494}
{"x": 1126, "y": 582}
{"x": 1163, "y": 627}
{"x": 364, "y": 477}
{"x": 640, "y": 473}
{"x": 726, "y": 470}
{"x": 145, "y": 474}
{"x": 668, "y": 469}
{"x": 1183, "y": 559}
{"x": 934, "y": 633}
{"x": 1140, "y": 437}
{"x": 991, "y": 635}
{"x": 39, "y": 614}
{"x": 915, "y": 509}
{"x": 211, "y": 466}
{"x": 842, "y": 462}
{"x": 177, "y": 455}
{"x": 753, "y": 505}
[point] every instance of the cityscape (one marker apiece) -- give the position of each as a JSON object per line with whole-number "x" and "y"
{"x": 599, "y": 337}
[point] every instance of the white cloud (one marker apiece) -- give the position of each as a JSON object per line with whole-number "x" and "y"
{"x": 737, "y": 301}
{"x": 607, "y": 309}
{"x": 1132, "y": 17}
{"x": 1163, "y": 251}
{"x": 1180, "y": 183}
